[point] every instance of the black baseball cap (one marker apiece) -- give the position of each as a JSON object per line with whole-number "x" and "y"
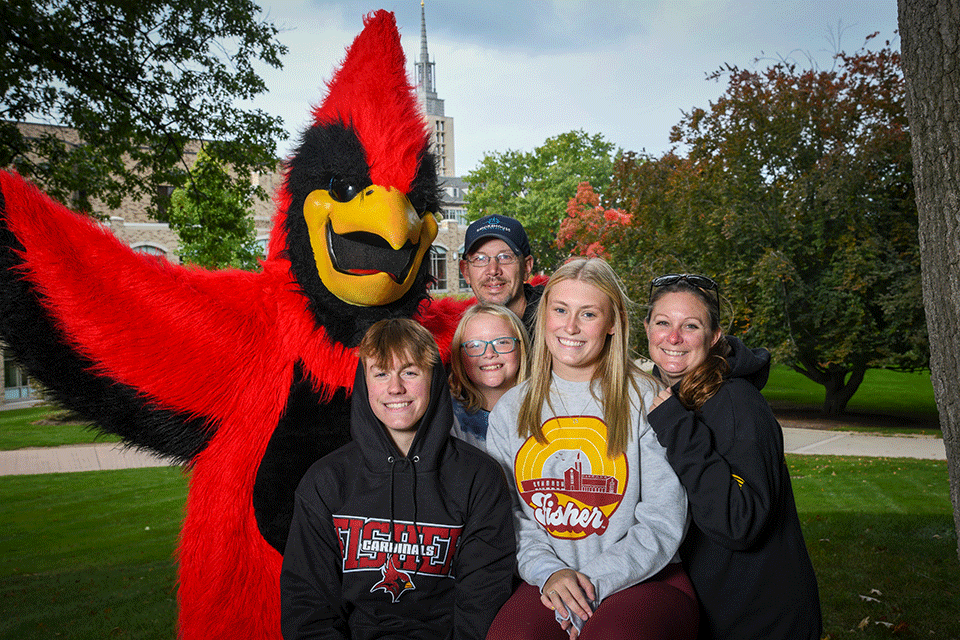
{"x": 497, "y": 226}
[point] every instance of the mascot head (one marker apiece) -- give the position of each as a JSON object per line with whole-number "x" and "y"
{"x": 357, "y": 206}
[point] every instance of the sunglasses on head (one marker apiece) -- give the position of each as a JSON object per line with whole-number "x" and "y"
{"x": 700, "y": 282}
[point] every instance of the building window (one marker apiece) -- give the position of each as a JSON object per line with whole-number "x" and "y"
{"x": 262, "y": 243}
{"x": 77, "y": 199}
{"x": 438, "y": 267}
{"x": 456, "y": 214}
{"x": 164, "y": 193}
{"x": 16, "y": 385}
{"x": 150, "y": 249}
{"x": 462, "y": 285}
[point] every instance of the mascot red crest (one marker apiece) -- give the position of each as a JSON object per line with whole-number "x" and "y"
{"x": 243, "y": 376}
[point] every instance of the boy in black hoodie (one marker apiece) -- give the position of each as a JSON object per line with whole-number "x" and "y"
{"x": 405, "y": 532}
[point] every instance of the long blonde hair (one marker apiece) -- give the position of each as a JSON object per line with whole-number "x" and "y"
{"x": 461, "y": 386}
{"x": 616, "y": 370}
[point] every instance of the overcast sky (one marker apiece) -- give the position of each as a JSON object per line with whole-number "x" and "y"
{"x": 513, "y": 73}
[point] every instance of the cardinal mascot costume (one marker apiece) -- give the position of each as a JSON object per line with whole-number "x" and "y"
{"x": 245, "y": 377}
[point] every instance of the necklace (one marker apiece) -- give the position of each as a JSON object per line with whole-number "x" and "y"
{"x": 574, "y": 418}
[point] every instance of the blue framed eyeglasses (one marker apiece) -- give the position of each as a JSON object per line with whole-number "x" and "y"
{"x": 476, "y": 348}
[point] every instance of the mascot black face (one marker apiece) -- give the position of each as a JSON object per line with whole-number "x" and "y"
{"x": 353, "y": 243}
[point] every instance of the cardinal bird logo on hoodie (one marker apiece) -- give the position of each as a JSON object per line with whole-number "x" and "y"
{"x": 395, "y": 582}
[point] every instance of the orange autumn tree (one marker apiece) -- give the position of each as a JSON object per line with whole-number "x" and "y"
{"x": 588, "y": 229}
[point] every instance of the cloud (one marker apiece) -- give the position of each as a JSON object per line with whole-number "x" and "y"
{"x": 515, "y": 72}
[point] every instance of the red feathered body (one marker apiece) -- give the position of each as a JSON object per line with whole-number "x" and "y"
{"x": 161, "y": 353}
{"x": 221, "y": 345}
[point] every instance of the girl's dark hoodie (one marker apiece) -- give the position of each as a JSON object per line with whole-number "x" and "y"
{"x": 390, "y": 546}
{"x": 745, "y": 552}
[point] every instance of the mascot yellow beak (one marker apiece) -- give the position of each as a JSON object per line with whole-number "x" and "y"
{"x": 369, "y": 248}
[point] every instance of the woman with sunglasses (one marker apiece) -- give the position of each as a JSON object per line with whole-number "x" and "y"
{"x": 489, "y": 357}
{"x": 744, "y": 552}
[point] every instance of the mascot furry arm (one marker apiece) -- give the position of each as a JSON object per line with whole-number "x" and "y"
{"x": 244, "y": 376}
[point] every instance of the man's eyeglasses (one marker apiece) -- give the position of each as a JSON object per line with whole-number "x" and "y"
{"x": 481, "y": 259}
{"x": 700, "y": 282}
{"x": 476, "y": 348}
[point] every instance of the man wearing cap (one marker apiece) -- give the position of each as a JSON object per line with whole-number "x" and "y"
{"x": 496, "y": 263}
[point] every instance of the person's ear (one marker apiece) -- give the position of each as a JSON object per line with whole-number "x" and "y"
{"x": 528, "y": 267}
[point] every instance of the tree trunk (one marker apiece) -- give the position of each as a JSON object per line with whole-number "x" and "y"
{"x": 837, "y": 388}
{"x": 930, "y": 48}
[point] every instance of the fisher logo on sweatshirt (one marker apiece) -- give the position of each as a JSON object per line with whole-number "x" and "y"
{"x": 569, "y": 482}
{"x": 366, "y": 544}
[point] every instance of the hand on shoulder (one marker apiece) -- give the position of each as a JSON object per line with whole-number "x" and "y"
{"x": 664, "y": 395}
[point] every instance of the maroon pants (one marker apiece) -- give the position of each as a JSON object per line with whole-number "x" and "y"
{"x": 662, "y": 608}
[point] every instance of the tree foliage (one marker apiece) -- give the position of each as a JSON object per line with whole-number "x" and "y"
{"x": 138, "y": 81}
{"x": 213, "y": 215}
{"x": 589, "y": 228}
{"x": 796, "y": 193}
{"x": 534, "y": 187}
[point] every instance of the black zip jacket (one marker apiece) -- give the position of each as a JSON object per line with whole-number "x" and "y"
{"x": 532, "y": 294}
{"x": 387, "y": 546}
{"x": 745, "y": 552}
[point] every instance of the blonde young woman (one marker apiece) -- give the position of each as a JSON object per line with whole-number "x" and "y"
{"x": 489, "y": 357}
{"x": 599, "y": 512}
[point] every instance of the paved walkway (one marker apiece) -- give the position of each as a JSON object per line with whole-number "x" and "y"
{"x": 80, "y": 457}
{"x": 848, "y": 443}
{"x": 91, "y": 457}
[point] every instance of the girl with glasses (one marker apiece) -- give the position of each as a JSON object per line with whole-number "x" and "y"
{"x": 599, "y": 512}
{"x": 489, "y": 357}
{"x": 745, "y": 552}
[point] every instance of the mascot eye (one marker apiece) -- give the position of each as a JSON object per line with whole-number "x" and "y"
{"x": 342, "y": 190}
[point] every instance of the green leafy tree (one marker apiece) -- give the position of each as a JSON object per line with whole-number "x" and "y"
{"x": 137, "y": 81}
{"x": 534, "y": 187}
{"x": 668, "y": 231}
{"x": 804, "y": 179}
{"x": 213, "y": 215}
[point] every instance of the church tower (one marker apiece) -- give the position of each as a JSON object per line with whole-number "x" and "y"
{"x": 441, "y": 127}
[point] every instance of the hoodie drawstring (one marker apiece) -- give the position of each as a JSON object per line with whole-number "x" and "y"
{"x": 416, "y": 525}
{"x": 393, "y": 527}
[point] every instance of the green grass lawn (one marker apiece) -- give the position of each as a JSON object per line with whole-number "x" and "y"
{"x": 882, "y": 391}
{"x": 19, "y": 428}
{"x": 90, "y": 555}
{"x": 881, "y": 536}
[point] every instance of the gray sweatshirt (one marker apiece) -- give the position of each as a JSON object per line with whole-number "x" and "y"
{"x": 618, "y": 521}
